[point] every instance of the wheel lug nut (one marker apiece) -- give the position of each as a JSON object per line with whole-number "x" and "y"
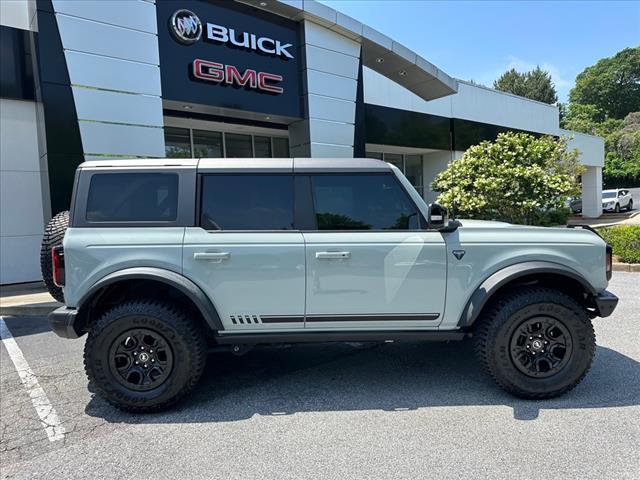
{"x": 153, "y": 360}
{"x": 145, "y": 365}
{"x": 137, "y": 363}
{"x": 135, "y": 353}
{"x": 530, "y": 338}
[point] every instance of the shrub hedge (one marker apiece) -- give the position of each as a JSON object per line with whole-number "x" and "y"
{"x": 625, "y": 240}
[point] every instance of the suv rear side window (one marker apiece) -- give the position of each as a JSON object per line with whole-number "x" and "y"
{"x": 247, "y": 202}
{"x": 133, "y": 197}
{"x": 362, "y": 202}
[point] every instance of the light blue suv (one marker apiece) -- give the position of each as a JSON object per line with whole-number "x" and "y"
{"x": 164, "y": 260}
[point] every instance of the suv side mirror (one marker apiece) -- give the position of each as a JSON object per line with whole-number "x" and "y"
{"x": 437, "y": 217}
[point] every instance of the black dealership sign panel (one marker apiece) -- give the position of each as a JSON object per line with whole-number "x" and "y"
{"x": 222, "y": 54}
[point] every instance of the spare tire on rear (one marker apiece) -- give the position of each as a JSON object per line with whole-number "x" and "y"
{"x": 53, "y": 236}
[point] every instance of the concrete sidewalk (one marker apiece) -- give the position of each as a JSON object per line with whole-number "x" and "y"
{"x": 26, "y": 299}
{"x": 608, "y": 219}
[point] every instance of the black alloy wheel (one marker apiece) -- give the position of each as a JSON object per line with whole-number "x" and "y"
{"x": 541, "y": 346}
{"x": 141, "y": 359}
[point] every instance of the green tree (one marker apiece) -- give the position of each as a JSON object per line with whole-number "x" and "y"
{"x": 518, "y": 178}
{"x": 621, "y": 141}
{"x": 588, "y": 119}
{"x": 539, "y": 86}
{"x": 535, "y": 84}
{"x": 511, "y": 81}
{"x": 606, "y": 102}
{"x": 612, "y": 85}
{"x": 622, "y": 160}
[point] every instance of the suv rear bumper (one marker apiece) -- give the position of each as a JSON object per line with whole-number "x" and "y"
{"x": 606, "y": 303}
{"x": 62, "y": 321}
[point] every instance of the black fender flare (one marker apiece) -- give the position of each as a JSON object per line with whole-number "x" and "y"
{"x": 168, "y": 277}
{"x": 490, "y": 285}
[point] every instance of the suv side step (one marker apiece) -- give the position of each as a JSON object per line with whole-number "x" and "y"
{"x": 309, "y": 337}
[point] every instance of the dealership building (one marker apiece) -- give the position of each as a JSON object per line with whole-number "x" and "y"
{"x": 101, "y": 80}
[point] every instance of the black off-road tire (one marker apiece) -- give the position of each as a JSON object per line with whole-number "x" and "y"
{"x": 630, "y": 206}
{"x": 502, "y": 319}
{"x": 617, "y": 208}
{"x": 183, "y": 335}
{"x": 53, "y": 236}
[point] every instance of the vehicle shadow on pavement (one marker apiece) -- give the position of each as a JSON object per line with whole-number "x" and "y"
{"x": 353, "y": 377}
{"x": 24, "y": 326}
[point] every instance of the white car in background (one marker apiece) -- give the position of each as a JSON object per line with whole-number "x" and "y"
{"x": 616, "y": 199}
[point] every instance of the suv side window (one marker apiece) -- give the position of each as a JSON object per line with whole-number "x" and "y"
{"x": 247, "y": 202}
{"x": 132, "y": 197}
{"x": 362, "y": 202}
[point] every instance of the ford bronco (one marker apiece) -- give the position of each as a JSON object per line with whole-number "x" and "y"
{"x": 164, "y": 260}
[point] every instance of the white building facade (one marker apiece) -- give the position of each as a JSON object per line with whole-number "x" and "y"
{"x": 99, "y": 80}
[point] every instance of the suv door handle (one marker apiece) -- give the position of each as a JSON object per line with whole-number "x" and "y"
{"x": 330, "y": 255}
{"x": 211, "y": 257}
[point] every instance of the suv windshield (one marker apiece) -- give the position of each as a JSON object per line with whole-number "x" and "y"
{"x": 608, "y": 194}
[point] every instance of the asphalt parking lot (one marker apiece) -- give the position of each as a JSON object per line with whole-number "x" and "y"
{"x": 330, "y": 411}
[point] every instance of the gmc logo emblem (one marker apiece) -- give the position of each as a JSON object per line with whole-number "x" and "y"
{"x": 229, "y": 74}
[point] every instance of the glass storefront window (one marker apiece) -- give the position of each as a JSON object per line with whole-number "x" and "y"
{"x": 394, "y": 158}
{"x": 238, "y": 145}
{"x": 410, "y": 165}
{"x": 280, "y": 147}
{"x": 262, "y": 147}
{"x": 413, "y": 171}
{"x": 207, "y": 144}
{"x": 177, "y": 142}
{"x": 192, "y": 143}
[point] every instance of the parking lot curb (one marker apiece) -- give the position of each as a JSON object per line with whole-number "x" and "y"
{"x": 29, "y": 310}
{"x": 626, "y": 267}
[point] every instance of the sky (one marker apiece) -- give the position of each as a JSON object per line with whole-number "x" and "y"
{"x": 479, "y": 40}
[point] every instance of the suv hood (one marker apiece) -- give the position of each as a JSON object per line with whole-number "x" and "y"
{"x": 528, "y": 233}
{"x": 468, "y": 223}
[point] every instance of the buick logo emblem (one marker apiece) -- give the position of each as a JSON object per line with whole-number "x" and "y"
{"x": 186, "y": 27}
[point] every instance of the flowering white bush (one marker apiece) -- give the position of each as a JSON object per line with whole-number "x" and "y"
{"x": 518, "y": 178}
